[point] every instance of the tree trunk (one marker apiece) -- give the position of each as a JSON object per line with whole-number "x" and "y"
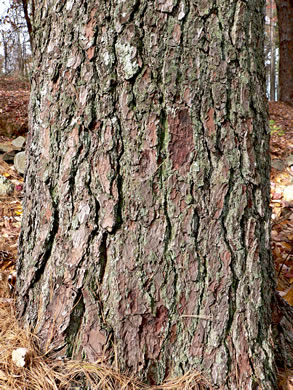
{"x": 273, "y": 51}
{"x": 28, "y": 19}
{"x": 146, "y": 217}
{"x": 285, "y": 16}
{"x": 5, "y": 50}
{"x": 20, "y": 56}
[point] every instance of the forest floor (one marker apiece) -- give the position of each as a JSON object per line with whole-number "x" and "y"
{"x": 281, "y": 123}
{"x": 14, "y": 96}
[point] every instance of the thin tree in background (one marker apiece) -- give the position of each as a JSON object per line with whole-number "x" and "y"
{"x": 273, "y": 50}
{"x": 29, "y": 17}
{"x": 4, "y": 41}
{"x": 16, "y": 39}
{"x": 285, "y": 18}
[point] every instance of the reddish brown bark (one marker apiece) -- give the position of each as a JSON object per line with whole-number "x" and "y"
{"x": 146, "y": 215}
{"x": 285, "y": 16}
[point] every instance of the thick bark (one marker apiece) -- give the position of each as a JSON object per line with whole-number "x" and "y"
{"x": 146, "y": 218}
{"x": 285, "y": 17}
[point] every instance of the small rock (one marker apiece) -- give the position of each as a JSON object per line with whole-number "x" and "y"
{"x": 18, "y": 142}
{"x": 6, "y": 187}
{"x": 21, "y": 357}
{"x": 19, "y": 162}
{"x": 9, "y": 156}
{"x": 278, "y": 164}
{"x": 5, "y": 147}
{"x": 289, "y": 160}
{"x": 288, "y": 194}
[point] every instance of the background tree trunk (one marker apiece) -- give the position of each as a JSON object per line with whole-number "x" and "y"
{"x": 273, "y": 53}
{"x": 146, "y": 218}
{"x": 29, "y": 18}
{"x": 285, "y": 16}
{"x": 5, "y": 50}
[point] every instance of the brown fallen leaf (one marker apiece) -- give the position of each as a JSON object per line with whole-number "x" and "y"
{"x": 289, "y": 296}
